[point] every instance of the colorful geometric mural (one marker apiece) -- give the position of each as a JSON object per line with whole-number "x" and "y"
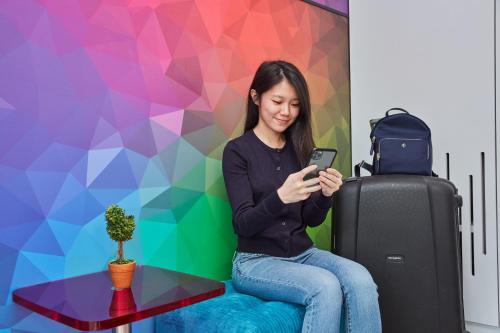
{"x": 132, "y": 102}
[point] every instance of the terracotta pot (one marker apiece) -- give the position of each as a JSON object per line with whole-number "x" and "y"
{"x": 122, "y": 274}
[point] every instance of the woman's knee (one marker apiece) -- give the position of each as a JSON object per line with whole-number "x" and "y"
{"x": 326, "y": 287}
{"x": 361, "y": 280}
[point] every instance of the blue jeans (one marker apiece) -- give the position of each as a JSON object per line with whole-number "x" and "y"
{"x": 318, "y": 280}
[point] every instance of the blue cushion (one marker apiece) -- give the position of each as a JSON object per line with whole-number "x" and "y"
{"x": 233, "y": 312}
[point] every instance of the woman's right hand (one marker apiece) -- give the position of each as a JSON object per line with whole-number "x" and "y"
{"x": 295, "y": 188}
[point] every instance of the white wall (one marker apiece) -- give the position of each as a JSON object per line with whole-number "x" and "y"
{"x": 436, "y": 58}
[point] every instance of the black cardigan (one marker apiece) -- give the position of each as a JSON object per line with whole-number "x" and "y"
{"x": 253, "y": 172}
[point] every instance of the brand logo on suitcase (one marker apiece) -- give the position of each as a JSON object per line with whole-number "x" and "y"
{"x": 395, "y": 259}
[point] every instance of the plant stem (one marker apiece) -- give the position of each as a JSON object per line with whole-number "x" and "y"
{"x": 120, "y": 250}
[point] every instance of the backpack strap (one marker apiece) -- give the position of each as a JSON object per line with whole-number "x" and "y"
{"x": 396, "y": 109}
{"x": 364, "y": 165}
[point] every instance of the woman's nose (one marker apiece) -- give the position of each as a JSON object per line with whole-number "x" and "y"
{"x": 285, "y": 109}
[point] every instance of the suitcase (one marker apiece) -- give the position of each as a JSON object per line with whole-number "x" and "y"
{"x": 404, "y": 230}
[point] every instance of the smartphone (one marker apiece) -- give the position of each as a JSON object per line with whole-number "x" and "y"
{"x": 323, "y": 158}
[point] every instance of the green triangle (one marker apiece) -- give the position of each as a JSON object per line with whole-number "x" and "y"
{"x": 218, "y": 189}
{"x": 194, "y": 179}
{"x": 213, "y": 171}
{"x": 159, "y": 243}
{"x": 206, "y": 241}
{"x": 183, "y": 201}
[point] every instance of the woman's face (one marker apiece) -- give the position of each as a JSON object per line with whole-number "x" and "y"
{"x": 278, "y": 107}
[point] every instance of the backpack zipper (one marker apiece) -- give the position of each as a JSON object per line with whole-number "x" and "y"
{"x": 378, "y": 154}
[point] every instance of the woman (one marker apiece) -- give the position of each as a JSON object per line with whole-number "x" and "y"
{"x": 272, "y": 206}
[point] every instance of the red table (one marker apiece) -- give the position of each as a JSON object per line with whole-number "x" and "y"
{"x": 89, "y": 303}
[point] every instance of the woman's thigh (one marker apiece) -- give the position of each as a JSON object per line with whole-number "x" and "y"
{"x": 347, "y": 271}
{"x": 279, "y": 279}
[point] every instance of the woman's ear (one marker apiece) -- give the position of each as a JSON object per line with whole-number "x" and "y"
{"x": 255, "y": 96}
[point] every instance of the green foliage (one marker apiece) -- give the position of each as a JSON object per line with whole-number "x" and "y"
{"x": 119, "y": 226}
{"x": 121, "y": 261}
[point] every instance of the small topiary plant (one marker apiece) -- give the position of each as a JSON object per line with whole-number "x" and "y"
{"x": 120, "y": 228}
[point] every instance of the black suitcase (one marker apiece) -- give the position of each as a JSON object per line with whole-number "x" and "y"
{"x": 404, "y": 230}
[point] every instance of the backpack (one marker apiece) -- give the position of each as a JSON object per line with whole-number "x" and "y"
{"x": 401, "y": 144}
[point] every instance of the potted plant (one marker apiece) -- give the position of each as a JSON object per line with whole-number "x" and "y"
{"x": 120, "y": 228}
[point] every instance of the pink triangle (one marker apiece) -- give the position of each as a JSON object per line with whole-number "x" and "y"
{"x": 171, "y": 121}
{"x": 161, "y": 109}
{"x": 140, "y": 18}
{"x": 165, "y": 63}
{"x": 293, "y": 31}
{"x": 213, "y": 92}
{"x": 200, "y": 104}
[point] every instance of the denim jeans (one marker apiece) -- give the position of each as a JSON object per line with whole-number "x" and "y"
{"x": 318, "y": 280}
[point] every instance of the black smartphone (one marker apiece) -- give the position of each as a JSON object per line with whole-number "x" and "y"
{"x": 323, "y": 158}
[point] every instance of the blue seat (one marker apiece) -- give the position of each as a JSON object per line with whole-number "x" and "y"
{"x": 233, "y": 312}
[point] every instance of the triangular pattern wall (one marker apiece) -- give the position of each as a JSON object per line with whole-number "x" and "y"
{"x": 132, "y": 102}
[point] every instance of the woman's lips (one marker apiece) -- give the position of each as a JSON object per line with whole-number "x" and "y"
{"x": 281, "y": 121}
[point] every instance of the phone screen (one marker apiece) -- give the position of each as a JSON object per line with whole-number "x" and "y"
{"x": 323, "y": 158}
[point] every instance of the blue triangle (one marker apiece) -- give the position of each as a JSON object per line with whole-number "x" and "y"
{"x": 65, "y": 233}
{"x": 15, "y": 208}
{"x": 43, "y": 241}
{"x": 50, "y": 266}
{"x": 46, "y": 186}
{"x": 98, "y": 161}
{"x": 92, "y": 242}
{"x": 79, "y": 171}
{"x": 69, "y": 190}
{"x": 8, "y": 261}
{"x": 108, "y": 197}
{"x": 138, "y": 164}
{"x": 117, "y": 174}
{"x": 26, "y": 273}
{"x": 10, "y": 315}
{"x": 80, "y": 210}
{"x": 132, "y": 204}
{"x": 17, "y": 184}
{"x": 16, "y": 236}
{"x": 58, "y": 157}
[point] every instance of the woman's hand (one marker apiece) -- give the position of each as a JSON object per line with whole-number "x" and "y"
{"x": 295, "y": 188}
{"x": 330, "y": 181}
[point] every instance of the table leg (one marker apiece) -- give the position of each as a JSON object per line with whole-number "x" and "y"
{"x": 127, "y": 328}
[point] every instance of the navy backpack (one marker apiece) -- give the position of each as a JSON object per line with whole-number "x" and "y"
{"x": 401, "y": 144}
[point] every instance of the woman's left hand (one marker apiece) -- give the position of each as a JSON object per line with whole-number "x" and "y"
{"x": 330, "y": 181}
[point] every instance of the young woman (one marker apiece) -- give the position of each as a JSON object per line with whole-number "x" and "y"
{"x": 272, "y": 206}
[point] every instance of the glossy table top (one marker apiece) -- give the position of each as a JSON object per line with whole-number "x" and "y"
{"x": 89, "y": 303}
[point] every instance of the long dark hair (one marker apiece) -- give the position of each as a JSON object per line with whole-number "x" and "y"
{"x": 269, "y": 74}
